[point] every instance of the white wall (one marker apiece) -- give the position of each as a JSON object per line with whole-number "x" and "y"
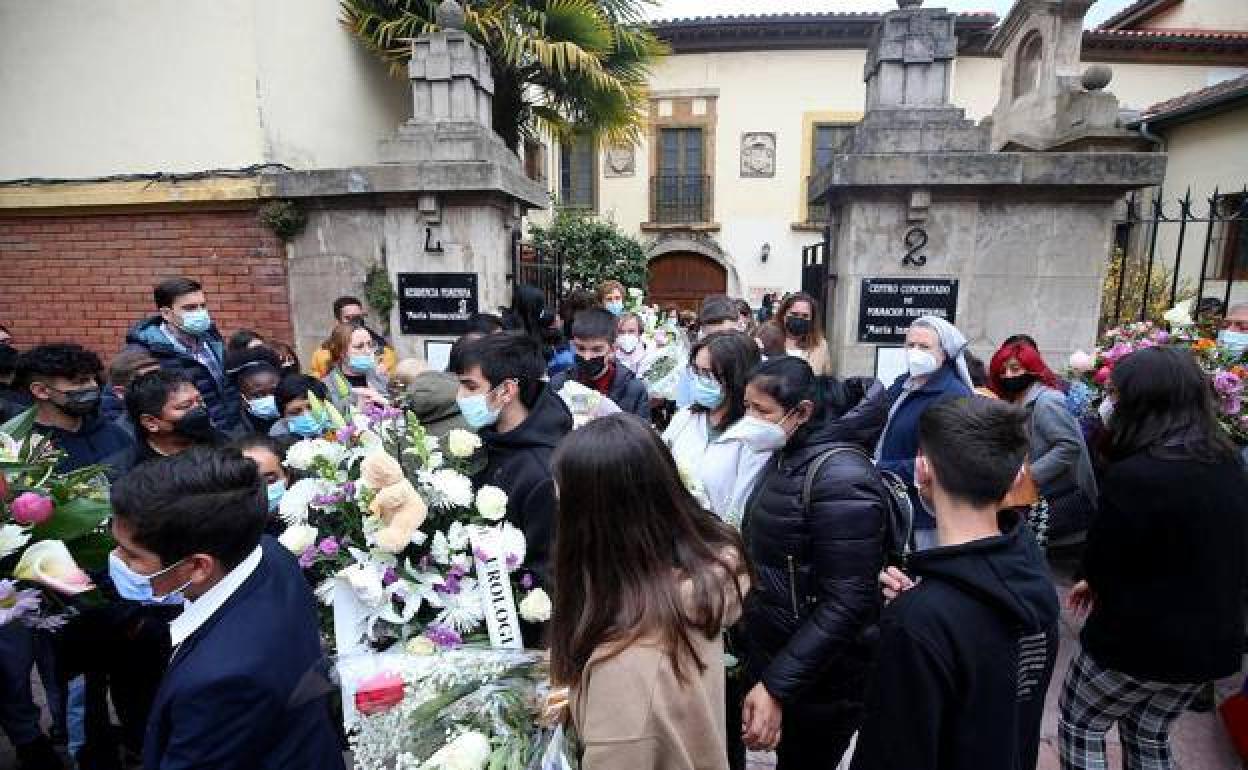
{"x": 96, "y": 87}
{"x": 1202, "y": 14}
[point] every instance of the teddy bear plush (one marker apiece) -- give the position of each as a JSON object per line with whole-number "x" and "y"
{"x": 397, "y": 503}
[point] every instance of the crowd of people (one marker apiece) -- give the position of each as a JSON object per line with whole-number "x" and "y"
{"x": 869, "y": 557}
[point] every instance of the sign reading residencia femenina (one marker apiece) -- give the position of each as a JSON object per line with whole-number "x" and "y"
{"x": 436, "y": 303}
{"x": 889, "y": 305}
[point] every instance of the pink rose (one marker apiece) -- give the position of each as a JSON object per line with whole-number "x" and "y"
{"x": 32, "y": 509}
{"x": 1102, "y": 375}
{"x": 1081, "y": 362}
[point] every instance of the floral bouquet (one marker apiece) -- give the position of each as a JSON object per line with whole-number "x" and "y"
{"x": 1227, "y": 370}
{"x": 49, "y": 523}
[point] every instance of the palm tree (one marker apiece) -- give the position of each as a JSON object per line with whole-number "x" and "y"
{"x": 560, "y": 67}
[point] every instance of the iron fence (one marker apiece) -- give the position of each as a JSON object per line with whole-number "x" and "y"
{"x": 1152, "y": 263}
{"x": 680, "y": 199}
{"x": 531, "y": 266}
{"x": 816, "y": 280}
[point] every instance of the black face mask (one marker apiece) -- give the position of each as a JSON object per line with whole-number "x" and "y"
{"x": 590, "y": 368}
{"x": 797, "y": 327}
{"x": 196, "y": 425}
{"x": 1013, "y": 386}
{"x": 80, "y": 403}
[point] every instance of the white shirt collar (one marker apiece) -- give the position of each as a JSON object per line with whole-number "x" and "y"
{"x": 199, "y": 611}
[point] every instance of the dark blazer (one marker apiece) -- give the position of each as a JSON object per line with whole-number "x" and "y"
{"x": 248, "y": 688}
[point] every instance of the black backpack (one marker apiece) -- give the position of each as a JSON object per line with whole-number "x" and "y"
{"x": 899, "y": 525}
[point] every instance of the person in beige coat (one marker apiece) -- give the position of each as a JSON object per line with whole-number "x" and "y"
{"x": 645, "y": 582}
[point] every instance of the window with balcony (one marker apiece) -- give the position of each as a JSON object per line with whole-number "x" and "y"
{"x": 680, "y": 191}
{"x": 827, "y": 139}
{"x": 578, "y": 173}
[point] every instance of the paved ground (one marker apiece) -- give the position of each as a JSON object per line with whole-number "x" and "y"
{"x": 1199, "y": 740}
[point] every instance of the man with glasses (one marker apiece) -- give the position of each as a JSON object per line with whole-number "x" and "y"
{"x": 350, "y": 310}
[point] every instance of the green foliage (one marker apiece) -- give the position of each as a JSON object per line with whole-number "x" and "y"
{"x": 593, "y": 251}
{"x": 1158, "y": 283}
{"x": 285, "y": 218}
{"x": 559, "y": 65}
{"x": 379, "y": 292}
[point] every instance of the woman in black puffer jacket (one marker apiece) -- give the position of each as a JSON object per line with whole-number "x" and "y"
{"x": 809, "y": 625}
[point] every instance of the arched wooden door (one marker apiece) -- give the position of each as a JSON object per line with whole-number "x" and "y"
{"x": 683, "y": 279}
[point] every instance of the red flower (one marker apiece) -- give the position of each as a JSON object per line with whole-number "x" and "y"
{"x": 379, "y": 693}
{"x": 1102, "y": 375}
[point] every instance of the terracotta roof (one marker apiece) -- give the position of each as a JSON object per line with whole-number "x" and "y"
{"x": 1161, "y": 34}
{"x": 795, "y": 16}
{"x": 1137, "y": 12}
{"x": 1215, "y": 97}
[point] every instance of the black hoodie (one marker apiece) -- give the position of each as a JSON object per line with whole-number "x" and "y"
{"x": 964, "y": 661}
{"x": 518, "y": 462}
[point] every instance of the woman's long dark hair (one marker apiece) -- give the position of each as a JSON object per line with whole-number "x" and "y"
{"x": 636, "y": 556}
{"x": 733, "y": 355}
{"x": 528, "y": 311}
{"x": 1165, "y": 406}
{"x": 790, "y": 381}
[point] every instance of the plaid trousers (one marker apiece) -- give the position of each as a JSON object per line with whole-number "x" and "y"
{"x": 1094, "y": 698}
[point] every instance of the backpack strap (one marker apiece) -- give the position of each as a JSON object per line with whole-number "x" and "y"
{"x": 812, "y": 471}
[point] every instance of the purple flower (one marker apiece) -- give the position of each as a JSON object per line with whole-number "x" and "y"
{"x": 345, "y": 434}
{"x": 480, "y": 554}
{"x": 308, "y": 557}
{"x": 456, "y": 572}
{"x": 16, "y": 604}
{"x": 323, "y": 501}
{"x": 1162, "y": 337}
{"x": 389, "y": 577}
{"x": 443, "y": 636}
{"x": 526, "y": 581}
{"x": 512, "y": 561}
{"x": 348, "y": 489}
{"x": 1227, "y": 383}
{"x": 329, "y": 546}
{"x": 425, "y": 563}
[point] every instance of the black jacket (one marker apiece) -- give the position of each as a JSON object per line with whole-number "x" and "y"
{"x": 964, "y": 661}
{"x": 97, "y": 441}
{"x": 808, "y": 627}
{"x": 628, "y": 392}
{"x": 220, "y": 396}
{"x": 1165, "y": 561}
{"x": 518, "y": 462}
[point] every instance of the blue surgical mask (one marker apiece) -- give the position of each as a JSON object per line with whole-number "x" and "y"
{"x": 362, "y": 363}
{"x": 1235, "y": 342}
{"x": 305, "y": 425}
{"x": 275, "y": 492}
{"x": 707, "y": 392}
{"x": 615, "y": 307}
{"x": 477, "y": 412}
{"x": 138, "y": 588}
{"x": 196, "y": 321}
{"x": 264, "y": 407}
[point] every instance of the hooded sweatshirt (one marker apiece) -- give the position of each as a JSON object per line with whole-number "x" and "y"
{"x": 518, "y": 462}
{"x": 431, "y": 397}
{"x": 964, "y": 661}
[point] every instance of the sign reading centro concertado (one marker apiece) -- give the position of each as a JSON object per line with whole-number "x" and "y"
{"x": 889, "y": 305}
{"x": 436, "y": 303}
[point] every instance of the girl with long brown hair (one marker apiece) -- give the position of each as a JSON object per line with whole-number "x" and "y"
{"x": 645, "y": 582}
{"x": 803, "y": 331}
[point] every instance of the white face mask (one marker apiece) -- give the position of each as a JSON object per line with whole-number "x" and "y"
{"x": 920, "y": 362}
{"x": 627, "y": 343}
{"x": 1105, "y": 410}
{"x": 762, "y": 435}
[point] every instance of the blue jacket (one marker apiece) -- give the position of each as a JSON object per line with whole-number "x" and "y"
{"x": 97, "y": 441}
{"x": 247, "y": 690}
{"x": 221, "y": 397}
{"x": 901, "y": 436}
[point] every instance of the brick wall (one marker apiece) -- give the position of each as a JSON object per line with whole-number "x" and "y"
{"x": 87, "y": 278}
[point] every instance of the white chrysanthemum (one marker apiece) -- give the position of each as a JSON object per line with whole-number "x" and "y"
{"x": 468, "y": 751}
{"x": 511, "y": 542}
{"x": 12, "y": 537}
{"x": 461, "y": 443}
{"x": 432, "y": 444}
{"x": 366, "y": 583}
{"x": 454, "y": 490}
{"x": 298, "y": 499}
{"x": 303, "y": 454}
{"x": 435, "y": 460}
{"x": 440, "y": 550}
{"x": 325, "y": 592}
{"x": 491, "y": 503}
{"x": 464, "y": 611}
{"x": 457, "y": 536}
{"x": 463, "y": 561}
{"x": 535, "y": 607}
{"x": 298, "y": 538}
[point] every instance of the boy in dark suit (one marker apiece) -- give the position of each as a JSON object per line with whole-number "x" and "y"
{"x": 246, "y": 684}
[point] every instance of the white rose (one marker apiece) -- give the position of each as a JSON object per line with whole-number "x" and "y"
{"x": 298, "y": 538}
{"x": 366, "y": 583}
{"x": 468, "y": 751}
{"x": 420, "y": 645}
{"x": 12, "y": 537}
{"x": 535, "y": 608}
{"x": 1081, "y": 362}
{"x": 491, "y": 503}
{"x": 435, "y": 460}
{"x": 462, "y": 443}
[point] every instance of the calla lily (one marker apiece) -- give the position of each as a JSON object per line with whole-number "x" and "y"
{"x": 50, "y": 564}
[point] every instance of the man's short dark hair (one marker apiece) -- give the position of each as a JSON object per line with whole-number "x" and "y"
{"x": 148, "y": 393}
{"x": 594, "y": 324}
{"x": 296, "y": 386}
{"x": 507, "y": 356}
{"x": 125, "y": 366}
{"x": 241, "y": 363}
{"x": 975, "y": 447}
{"x": 718, "y": 308}
{"x": 167, "y": 291}
{"x": 60, "y": 360}
{"x": 343, "y": 302}
{"x": 202, "y": 500}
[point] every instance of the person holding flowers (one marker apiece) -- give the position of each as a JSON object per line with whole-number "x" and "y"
{"x": 356, "y": 379}
{"x": 646, "y": 581}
